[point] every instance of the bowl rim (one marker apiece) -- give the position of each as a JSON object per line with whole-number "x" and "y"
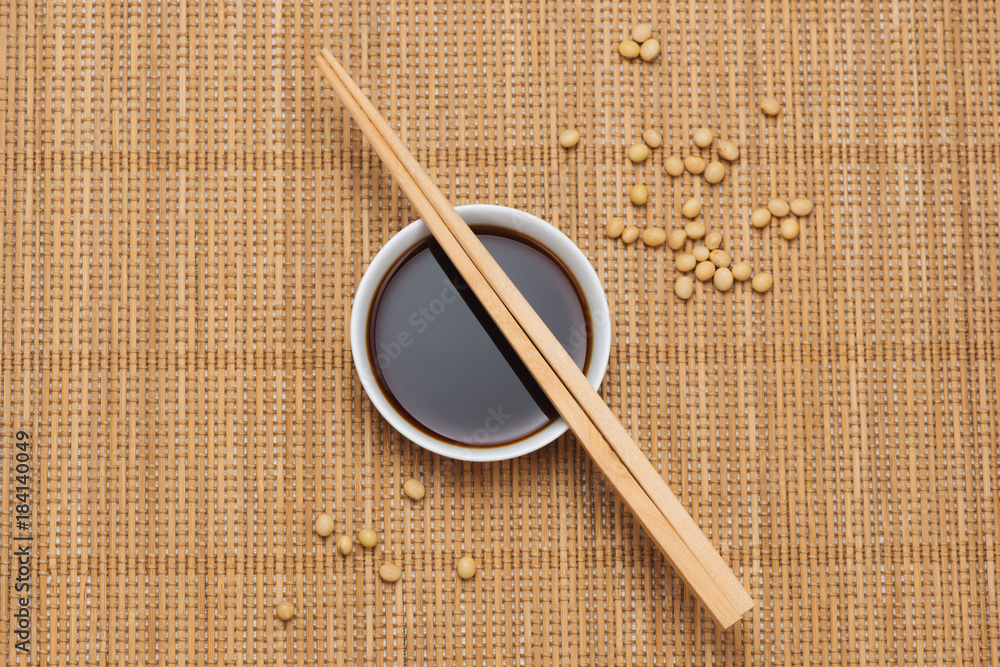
{"x": 500, "y": 216}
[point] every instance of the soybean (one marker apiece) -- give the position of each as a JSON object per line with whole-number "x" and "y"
{"x": 630, "y": 234}
{"x": 778, "y": 207}
{"x": 801, "y": 206}
{"x": 676, "y": 239}
{"x": 639, "y": 195}
{"x": 723, "y": 279}
{"x": 704, "y": 271}
{"x": 713, "y": 240}
{"x": 628, "y": 48}
{"x": 286, "y": 610}
{"x": 654, "y": 236}
{"x": 390, "y": 573}
{"x": 685, "y": 262}
{"x": 323, "y": 525}
{"x": 789, "y": 228}
{"x": 638, "y": 153}
{"x": 641, "y": 32}
{"x": 703, "y": 137}
{"x": 760, "y": 218}
{"x": 770, "y": 106}
{"x": 694, "y": 230}
{"x": 367, "y": 537}
{"x": 414, "y": 489}
{"x": 345, "y": 544}
{"x": 691, "y": 208}
{"x": 569, "y": 138}
{"x": 700, "y": 253}
{"x": 720, "y": 258}
{"x": 466, "y": 567}
{"x": 614, "y": 228}
{"x": 762, "y": 282}
{"x": 728, "y": 150}
{"x": 674, "y": 165}
{"x": 683, "y": 287}
{"x": 652, "y": 138}
{"x": 741, "y": 271}
{"x": 649, "y": 49}
{"x": 694, "y": 164}
{"x": 715, "y": 172}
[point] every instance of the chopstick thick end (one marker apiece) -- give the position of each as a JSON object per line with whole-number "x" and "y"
{"x": 741, "y": 603}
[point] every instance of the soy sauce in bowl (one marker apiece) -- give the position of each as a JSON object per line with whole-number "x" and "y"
{"x": 443, "y": 364}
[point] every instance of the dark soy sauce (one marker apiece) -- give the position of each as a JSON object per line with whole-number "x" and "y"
{"x": 442, "y": 362}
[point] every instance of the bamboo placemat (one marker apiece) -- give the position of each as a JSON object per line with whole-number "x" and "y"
{"x": 187, "y": 212}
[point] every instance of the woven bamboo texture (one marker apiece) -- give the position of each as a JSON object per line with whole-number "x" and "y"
{"x": 187, "y": 210}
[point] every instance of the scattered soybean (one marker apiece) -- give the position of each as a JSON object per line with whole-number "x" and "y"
{"x": 801, "y": 206}
{"x": 323, "y": 525}
{"x": 367, "y": 537}
{"x": 390, "y": 573}
{"x": 715, "y": 172}
{"x": 639, "y": 195}
{"x": 694, "y": 230}
{"x": 789, "y": 228}
{"x": 614, "y": 228}
{"x": 676, "y": 239}
{"x": 694, "y": 164}
{"x": 685, "y": 262}
{"x": 770, "y": 106}
{"x": 683, "y": 287}
{"x": 778, "y": 207}
{"x": 414, "y": 489}
{"x": 569, "y": 138}
{"x": 286, "y": 610}
{"x": 641, "y": 32}
{"x": 723, "y": 279}
{"x": 704, "y": 271}
{"x": 691, "y": 208}
{"x": 741, "y": 271}
{"x": 762, "y": 282}
{"x": 654, "y": 236}
{"x": 720, "y": 258}
{"x": 674, "y": 165}
{"x": 701, "y": 253}
{"x": 703, "y": 137}
{"x": 466, "y": 567}
{"x": 760, "y": 218}
{"x": 628, "y": 49}
{"x": 638, "y": 153}
{"x": 649, "y": 49}
{"x": 728, "y": 150}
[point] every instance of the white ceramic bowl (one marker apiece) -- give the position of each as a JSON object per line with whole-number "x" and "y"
{"x": 497, "y": 216}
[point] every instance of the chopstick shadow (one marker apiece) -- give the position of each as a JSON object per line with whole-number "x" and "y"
{"x": 493, "y": 331}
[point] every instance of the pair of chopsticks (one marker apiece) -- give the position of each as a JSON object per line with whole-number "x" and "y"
{"x": 595, "y": 426}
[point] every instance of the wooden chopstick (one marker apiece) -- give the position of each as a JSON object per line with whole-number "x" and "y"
{"x": 563, "y": 365}
{"x": 616, "y": 454}
{"x": 691, "y": 565}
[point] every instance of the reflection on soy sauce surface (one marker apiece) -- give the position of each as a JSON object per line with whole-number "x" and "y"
{"x": 442, "y": 362}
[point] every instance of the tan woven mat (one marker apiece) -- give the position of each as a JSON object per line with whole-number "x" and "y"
{"x": 187, "y": 212}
